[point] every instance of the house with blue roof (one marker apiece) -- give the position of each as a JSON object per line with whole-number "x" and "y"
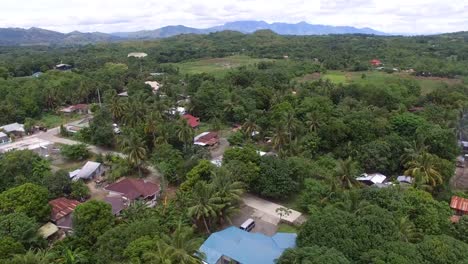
{"x": 233, "y": 245}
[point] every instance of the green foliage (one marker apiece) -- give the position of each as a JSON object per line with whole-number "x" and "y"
{"x": 28, "y": 198}
{"x": 313, "y": 255}
{"x": 443, "y": 249}
{"x": 58, "y": 184}
{"x": 9, "y": 247}
{"x": 79, "y": 191}
{"x": 275, "y": 179}
{"x": 91, "y": 219}
{"x": 100, "y": 129}
{"x": 21, "y": 228}
{"x": 75, "y": 152}
{"x": 18, "y": 167}
{"x": 201, "y": 172}
{"x": 168, "y": 161}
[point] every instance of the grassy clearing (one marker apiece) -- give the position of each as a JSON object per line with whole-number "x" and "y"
{"x": 285, "y": 228}
{"x": 50, "y": 120}
{"x": 216, "y": 66}
{"x": 427, "y": 84}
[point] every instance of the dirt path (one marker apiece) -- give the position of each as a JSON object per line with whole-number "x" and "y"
{"x": 220, "y": 149}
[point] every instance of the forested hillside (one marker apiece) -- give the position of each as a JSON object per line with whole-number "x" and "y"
{"x": 317, "y": 135}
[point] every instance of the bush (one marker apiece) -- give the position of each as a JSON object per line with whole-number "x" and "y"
{"x": 75, "y": 152}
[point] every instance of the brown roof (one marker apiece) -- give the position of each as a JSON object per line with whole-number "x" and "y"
{"x": 459, "y": 203}
{"x": 62, "y": 207}
{"x": 134, "y": 188}
{"x": 455, "y": 219}
{"x": 117, "y": 203}
{"x": 209, "y": 139}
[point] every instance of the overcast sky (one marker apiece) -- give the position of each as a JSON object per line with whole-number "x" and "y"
{"x": 392, "y": 16}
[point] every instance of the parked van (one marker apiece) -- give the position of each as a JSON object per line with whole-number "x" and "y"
{"x": 248, "y": 225}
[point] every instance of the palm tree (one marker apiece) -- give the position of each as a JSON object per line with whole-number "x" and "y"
{"x": 151, "y": 124}
{"x": 162, "y": 254}
{"x": 185, "y": 132}
{"x": 346, "y": 171}
{"x": 292, "y": 124}
{"x": 352, "y": 203}
{"x": 117, "y": 108}
{"x": 418, "y": 147}
{"x": 280, "y": 139}
{"x": 184, "y": 245}
{"x": 71, "y": 257}
{"x": 407, "y": 231}
{"x": 205, "y": 204}
{"x": 249, "y": 127}
{"x": 228, "y": 191}
{"x": 32, "y": 257}
{"x": 134, "y": 147}
{"x": 423, "y": 170}
{"x": 313, "y": 122}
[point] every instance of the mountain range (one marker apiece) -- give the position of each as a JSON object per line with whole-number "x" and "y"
{"x": 38, "y": 36}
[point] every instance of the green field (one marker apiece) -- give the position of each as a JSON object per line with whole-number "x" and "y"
{"x": 427, "y": 84}
{"x": 216, "y": 66}
{"x": 50, "y": 120}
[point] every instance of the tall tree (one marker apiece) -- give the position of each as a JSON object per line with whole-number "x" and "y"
{"x": 423, "y": 170}
{"x": 185, "y": 133}
{"x": 134, "y": 147}
{"x": 205, "y": 204}
{"x": 346, "y": 172}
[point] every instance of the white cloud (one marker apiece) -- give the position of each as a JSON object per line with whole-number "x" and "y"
{"x": 402, "y": 16}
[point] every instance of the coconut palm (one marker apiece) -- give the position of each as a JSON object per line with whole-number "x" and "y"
{"x": 161, "y": 254}
{"x": 205, "y": 204}
{"x": 185, "y": 132}
{"x": 423, "y": 170}
{"x": 352, "y": 203}
{"x": 292, "y": 124}
{"x": 184, "y": 245}
{"x": 407, "y": 231}
{"x": 117, "y": 107}
{"x": 346, "y": 171}
{"x": 134, "y": 147}
{"x": 417, "y": 148}
{"x": 151, "y": 124}
{"x": 280, "y": 139}
{"x": 228, "y": 191}
{"x": 313, "y": 121}
{"x": 249, "y": 127}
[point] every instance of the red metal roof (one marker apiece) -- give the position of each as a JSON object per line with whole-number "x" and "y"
{"x": 62, "y": 207}
{"x": 375, "y": 62}
{"x": 459, "y": 203}
{"x": 193, "y": 121}
{"x": 134, "y": 188}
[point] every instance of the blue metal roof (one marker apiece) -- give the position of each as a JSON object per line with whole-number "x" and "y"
{"x": 245, "y": 247}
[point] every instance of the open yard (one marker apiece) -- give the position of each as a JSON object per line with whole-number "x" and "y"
{"x": 216, "y": 66}
{"x": 427, "y": 84}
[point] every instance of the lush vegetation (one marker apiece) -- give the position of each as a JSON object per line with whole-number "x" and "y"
{"x": 317, "y": 135}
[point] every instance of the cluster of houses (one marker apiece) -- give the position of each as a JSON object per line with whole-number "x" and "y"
{"x": 381, "y": 181}
{"x": 119, "y": 196}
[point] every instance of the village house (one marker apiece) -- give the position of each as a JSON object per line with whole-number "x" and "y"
{"x": 89, "y": 171}
{"x": 4, "y": 138}
{"x": 376, "y": 62}
{"x": 62, "y": 211}
{"x": 37, "y": 145}
{"x": 81, "y": 109}
{"x": 371, "y": 179}
{"x": 132, "y": 189}
{"x": 233, "y": 245}
{"x": 209, "y": 139}
{"x": 117, "y": 202}
{"x": 137, "y": 54}
{"x": 14, "y": 129}
{"x": 405, "y": 179}
{"x": 460, "y": 208}
{"x": 194, "y": 122}
{"x": 154, "y": 85}
{"x": 48, "y": 231}
{"x": 63, "y": 67}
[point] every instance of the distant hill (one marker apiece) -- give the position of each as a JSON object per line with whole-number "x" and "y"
{"x": 37, "y": 36}
{"x": 247, "y": 27}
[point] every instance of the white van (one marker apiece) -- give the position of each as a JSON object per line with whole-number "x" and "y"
{"x": 248, "y": 225}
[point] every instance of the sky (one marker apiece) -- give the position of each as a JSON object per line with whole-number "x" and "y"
{"x": 391, "y": 16}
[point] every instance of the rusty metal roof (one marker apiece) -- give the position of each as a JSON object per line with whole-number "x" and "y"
{"x": 459, "y": 203}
